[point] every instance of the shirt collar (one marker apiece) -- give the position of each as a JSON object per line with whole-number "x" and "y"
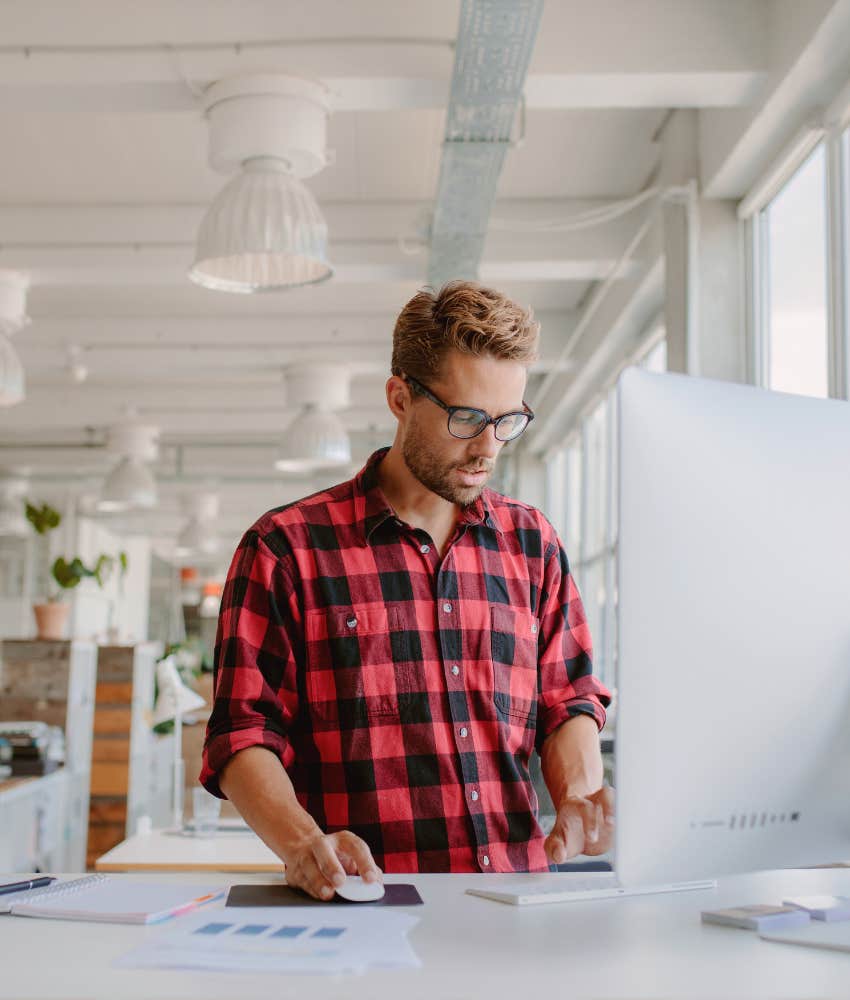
{"x": 371, "y": 507}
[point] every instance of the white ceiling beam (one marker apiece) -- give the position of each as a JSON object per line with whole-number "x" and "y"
{"x": 130, "y": 351}
{"x": 348, "y": 221}
{"x": 581, "y": 256}
{"x": 708, "y": 55}
{"x": 246, "y": 412}
{"x": 646, "y": 88}
{"x": 811, "y": 53}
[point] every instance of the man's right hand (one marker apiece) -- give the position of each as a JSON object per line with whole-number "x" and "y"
{"x": 320, "y": 862}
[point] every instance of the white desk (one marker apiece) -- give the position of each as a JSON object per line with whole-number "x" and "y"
{"x": 161, "y": 850}
{"x": 642, "y": 947}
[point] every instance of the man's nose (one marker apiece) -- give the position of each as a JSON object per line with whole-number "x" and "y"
{"x": 486, "y": 445}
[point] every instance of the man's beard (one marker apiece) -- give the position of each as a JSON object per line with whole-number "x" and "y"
{"x": 435, "y": 475}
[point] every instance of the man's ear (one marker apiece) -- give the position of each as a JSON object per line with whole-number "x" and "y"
{"x": 398, "y": 396}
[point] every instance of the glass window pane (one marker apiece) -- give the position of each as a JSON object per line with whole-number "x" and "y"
{"x": 572, "y": 539}
{"x": 556, "y": 491}
{"x": 591, "y": 584}
{"x": 796, "y": 223}
{"x": 596, "y": 476}
{"x": 613, "y": 470}
{"x": 656, "y": 359}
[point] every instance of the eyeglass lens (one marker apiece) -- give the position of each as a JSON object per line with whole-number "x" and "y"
{"x": 468, "y": 423}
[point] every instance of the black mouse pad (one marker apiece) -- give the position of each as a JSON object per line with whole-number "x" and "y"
{"x": 395, "y": 894}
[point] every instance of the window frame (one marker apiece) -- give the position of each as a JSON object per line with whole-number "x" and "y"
{"x": 752, "y": 212}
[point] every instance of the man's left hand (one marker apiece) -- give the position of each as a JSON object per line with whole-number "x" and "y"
{"x": 583, "y": 825}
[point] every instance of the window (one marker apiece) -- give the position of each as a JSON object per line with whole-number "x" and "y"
{"x": 795, "y": 334}
{"x": 581, "y": 501}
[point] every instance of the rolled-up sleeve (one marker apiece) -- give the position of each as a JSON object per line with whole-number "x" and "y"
{"x": 259, "y": 633}
{"x": 567, "y": 686}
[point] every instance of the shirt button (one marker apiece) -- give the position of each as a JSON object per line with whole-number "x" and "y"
{"x": 464, "y": 732}
{"x": 534, "y": 628}
{"x": 424, "y": 549}
{"x": 485, "y": 861}
{"x": 351, "y": 623}
{"x": 474, "y": 795}
{"x": 455, "y": 669}
{"x": 447, "y": 607}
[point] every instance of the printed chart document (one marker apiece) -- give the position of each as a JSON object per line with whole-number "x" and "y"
{"x": 273, "y": 939}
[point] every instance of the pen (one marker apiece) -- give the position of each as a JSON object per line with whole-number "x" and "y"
{"x": 33, "y": 883}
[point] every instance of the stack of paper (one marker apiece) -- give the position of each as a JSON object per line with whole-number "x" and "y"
{"x": 282, "y": 939}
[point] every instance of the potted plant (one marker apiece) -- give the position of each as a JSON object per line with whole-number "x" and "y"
{"x": 51, "y": 617}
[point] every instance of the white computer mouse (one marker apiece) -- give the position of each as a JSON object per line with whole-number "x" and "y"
{"x": 355, "y": 890}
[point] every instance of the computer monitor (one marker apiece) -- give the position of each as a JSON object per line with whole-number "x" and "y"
{"x": 733, "y": 725}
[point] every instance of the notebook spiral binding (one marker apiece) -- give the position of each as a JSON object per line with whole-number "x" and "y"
{"x": 55, "y": 889}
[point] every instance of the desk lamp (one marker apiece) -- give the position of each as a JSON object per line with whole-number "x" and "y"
{"x": 174, "y": 699}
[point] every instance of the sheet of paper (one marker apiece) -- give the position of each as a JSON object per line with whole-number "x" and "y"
{"x": 275, "y": 939}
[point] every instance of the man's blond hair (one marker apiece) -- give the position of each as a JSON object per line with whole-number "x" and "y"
{"x": 462, "y": 316}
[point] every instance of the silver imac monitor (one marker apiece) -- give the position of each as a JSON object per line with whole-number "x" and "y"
{"x": 733, "y": 676}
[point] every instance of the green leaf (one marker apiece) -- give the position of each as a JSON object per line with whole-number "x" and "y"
{"x": 44, "y": 518}
{"x": 122, "y": 561}
{"x": 103, "y": 569}
{"x": 68, "y": 574}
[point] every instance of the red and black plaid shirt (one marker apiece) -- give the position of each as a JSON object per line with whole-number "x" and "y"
{"x": 404, "y": 693}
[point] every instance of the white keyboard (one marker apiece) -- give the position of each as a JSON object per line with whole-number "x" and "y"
{"x": 572, "y": 890}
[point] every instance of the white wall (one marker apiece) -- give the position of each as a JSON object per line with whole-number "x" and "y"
{"x": 121, "y": 605}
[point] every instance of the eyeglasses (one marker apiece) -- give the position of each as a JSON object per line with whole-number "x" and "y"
{"x": 469, "y": 422}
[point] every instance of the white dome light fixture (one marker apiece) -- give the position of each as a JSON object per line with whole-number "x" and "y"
{"x": 264, "y": 231}
{"x": 317, "y": 439}
{"x": 12, "y": 386}
{"x": 314, "y": 441}
{"x": 13, "y": 487}
{"x": 13, "y": 317}
{"x": 198, "y": 535}
{"x": 130, "y": 485}
{"x": 13, "y": 301}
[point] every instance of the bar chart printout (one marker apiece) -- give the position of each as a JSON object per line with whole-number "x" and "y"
{"x": 281, "y": 939}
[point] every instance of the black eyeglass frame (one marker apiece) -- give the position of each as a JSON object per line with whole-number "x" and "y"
{"x": 486, "y": 418}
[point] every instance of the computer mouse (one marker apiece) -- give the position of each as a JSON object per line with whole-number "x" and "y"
{"x": 355, "y": 890}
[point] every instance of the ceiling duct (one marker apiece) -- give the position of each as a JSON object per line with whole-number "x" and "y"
{"x": 494, "y": 45}
{"x": 265, "y": 230}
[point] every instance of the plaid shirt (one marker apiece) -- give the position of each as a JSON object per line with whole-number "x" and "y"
{"x": 404, "y": 693}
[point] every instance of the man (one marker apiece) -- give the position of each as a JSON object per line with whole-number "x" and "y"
{"x": 391, "y": 650}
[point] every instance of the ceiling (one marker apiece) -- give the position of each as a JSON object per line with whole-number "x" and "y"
{"x": 104, "y": 180}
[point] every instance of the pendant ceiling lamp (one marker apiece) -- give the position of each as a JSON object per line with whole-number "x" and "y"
{"x": 130, "y": 485}
{"x": 317, "y": 439}
{"x": 12, "y": 387}
{"x": 198, "y": 536}
{"x": 13, "y": 488}
{"x": 13, "y": 317}
{"x": 265, "y": 230}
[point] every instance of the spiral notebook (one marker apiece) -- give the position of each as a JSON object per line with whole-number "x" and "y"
{"x": 112, "y": 900}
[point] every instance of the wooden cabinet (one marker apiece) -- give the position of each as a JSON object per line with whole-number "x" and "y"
{"x": 52, "y": 682}
{"x": 125, "y": 752}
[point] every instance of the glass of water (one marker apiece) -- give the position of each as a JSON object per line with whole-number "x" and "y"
{"x": 205, "y": 812}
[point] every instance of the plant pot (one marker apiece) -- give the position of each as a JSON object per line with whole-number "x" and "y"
{"x": 50, "y": 619}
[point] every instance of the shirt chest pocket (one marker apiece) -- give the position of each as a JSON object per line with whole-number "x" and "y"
{"x": 513, "y": 645}
{"x": 350, "y": 669}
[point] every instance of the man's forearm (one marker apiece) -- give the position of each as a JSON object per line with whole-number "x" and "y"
{"x": 572, "y": 761}
{"x": 256, "y": 783}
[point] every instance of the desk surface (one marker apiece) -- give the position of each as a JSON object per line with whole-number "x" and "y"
{"x": 640, "y": 947}
{"x": 161, "y": 850}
